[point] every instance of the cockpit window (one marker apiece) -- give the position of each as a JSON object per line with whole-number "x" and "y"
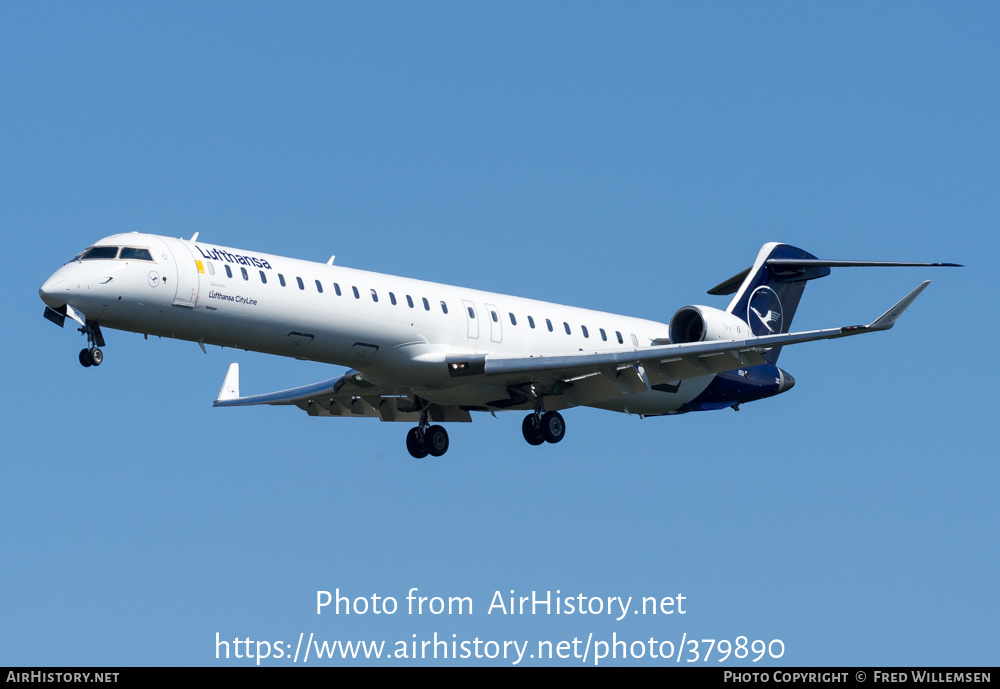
{"x": 128, "y": 253}
{"x": 96, "y": 252}
{"x": 135, "y": 254}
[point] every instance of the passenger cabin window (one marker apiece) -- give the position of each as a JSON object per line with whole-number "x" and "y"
{"x": 585, "y": 332}
{"x": 493, "y": 315}
{"x": 229, "y": 272}
{"x": 409, "y": 300}
{"x": 620, "y": 340}
{"x": 211, "y": 268}
{"x": 549, "y": 324}
{"x": 604, "y": 335}
{"x": 444, "y": 308}
{"x": 566, "y": 325}
{"x": 531, "y": 322}
{"x": 96, "y": 252}
{"x": 246, "y": 276}
{"x": 392, "y": 298}
{"x": 263, "y": 278}
{"x": 635, "y": 340}
{"x": 374, "y": 296}
{"x": 357, "y": 294}
{"x": 513, "y": 321}
{"x": 336, "y": 288}
{"x": 302, "y": 285}
{"x": 134, "y": 254}
{"x": 427, "y": 304}
{"x": 472, "y": 314}
{"x": 319, "y": 287}
{"x": 281, "y": 279}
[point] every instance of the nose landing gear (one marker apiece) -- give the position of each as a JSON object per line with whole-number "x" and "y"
{"x": 92, "y": 355}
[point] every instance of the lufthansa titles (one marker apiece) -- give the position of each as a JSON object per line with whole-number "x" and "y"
{"x": 245, "y": 301}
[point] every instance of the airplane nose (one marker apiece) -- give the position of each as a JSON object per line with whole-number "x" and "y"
{"x": 787, "y": 381}
{"x": 51, "y": 290}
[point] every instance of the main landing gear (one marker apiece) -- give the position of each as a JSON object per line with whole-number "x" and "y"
{"x": 92, "y": 354}
{"x": 547, "y": 427}
{"x": 426, "y": 440}
{"x": 538, "y": 427}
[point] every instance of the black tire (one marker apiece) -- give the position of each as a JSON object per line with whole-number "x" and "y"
{"x": 415, "y": 445}
{"x": 553, "y": 427}
{"x": 85, "y": 358}
{"x": 532, "y": 432}
{"x": 96, "y": 356}
{"x": 436, "y": 441}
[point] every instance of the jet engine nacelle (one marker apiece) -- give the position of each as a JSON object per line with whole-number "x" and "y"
{"x": 704, "y": 324}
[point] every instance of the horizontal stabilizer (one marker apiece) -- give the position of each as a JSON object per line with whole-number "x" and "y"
{"x": 824, "y": 263}
{"x": 731, "y": 285}
{"x": 797, "y": 269}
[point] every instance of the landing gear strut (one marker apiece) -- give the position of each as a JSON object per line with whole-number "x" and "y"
{"x": 426, "y": 440}
{"x": 92, "y": 355}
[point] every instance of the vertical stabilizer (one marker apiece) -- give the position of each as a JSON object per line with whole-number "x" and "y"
{"x": 768, "y": 297}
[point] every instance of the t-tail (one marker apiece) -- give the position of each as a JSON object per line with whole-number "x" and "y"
{"x": 767, "y": 294}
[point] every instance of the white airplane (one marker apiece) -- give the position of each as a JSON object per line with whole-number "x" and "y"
{"x": 424, "y": 352}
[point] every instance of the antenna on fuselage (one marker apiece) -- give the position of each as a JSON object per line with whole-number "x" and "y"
{"x": 330, "y": 262}
{"x": 194, "y": 237}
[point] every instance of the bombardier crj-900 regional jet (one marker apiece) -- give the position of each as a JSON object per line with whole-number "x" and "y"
{"x": 425, "y": 353}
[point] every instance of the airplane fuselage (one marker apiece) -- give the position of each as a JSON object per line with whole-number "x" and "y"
{"x": 398, "y": 330}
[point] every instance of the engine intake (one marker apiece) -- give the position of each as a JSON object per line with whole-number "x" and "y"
{"x": 704, "y": 324}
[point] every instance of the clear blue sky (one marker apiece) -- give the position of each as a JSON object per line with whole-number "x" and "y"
{"x": 624, "y": 158}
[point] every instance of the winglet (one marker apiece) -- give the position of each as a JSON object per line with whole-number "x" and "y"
{"x": 889, "y": 318}
{"x": 231, "y": 385}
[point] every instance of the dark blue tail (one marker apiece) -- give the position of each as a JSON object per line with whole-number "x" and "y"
{"x": 769, "y": 295}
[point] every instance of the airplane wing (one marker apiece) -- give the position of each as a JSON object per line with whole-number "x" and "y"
{"x": 350, "y": 395}
{"x": 581, "y": 378}
{"x": 680, "y": 361}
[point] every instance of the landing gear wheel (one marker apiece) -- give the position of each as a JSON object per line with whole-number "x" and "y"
{"x": 415, "y": 444}
{"x": 532, "y": 432}
{"x": 85, "y": 358}
{"x": 436, "y": 441}
{"x": 96, "y": 356}
{"x": 553, "y": 426}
